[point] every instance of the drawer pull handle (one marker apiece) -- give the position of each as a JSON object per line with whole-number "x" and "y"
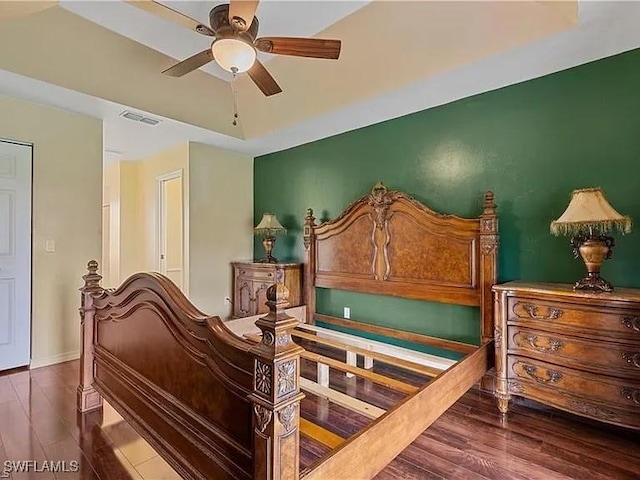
{"x": 632, "y": 358}
{"x": 532, "y": 371}
{"x": 631, "y": 322}
{"x": 532, "y": 310}
{"x": 632, "y": 394}
{"x": 554, "y": 344}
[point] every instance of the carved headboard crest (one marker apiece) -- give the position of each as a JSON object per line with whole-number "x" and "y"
{"x": 380, "y": 199}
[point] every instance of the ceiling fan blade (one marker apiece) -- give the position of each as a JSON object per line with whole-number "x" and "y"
{"x": 190, "y": 64}
{"x": 263, "y": 79}
{"x": 300, "y": 47}
{"x": 244, "y": 10}
{"x": 171, "y": 15}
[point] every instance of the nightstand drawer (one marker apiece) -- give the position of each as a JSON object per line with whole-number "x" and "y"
{"x": 617, "y": 359}
{"x": 257, "y": 275}
{"x": 615, "y": 392}
{"x": 536, "y": 313}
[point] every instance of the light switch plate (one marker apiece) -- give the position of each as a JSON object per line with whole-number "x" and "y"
{"x": 347, "y": 312}
{"x": 50, "y": 246}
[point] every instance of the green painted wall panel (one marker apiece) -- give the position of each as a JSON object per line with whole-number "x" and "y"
{"x": 531, "y": 143}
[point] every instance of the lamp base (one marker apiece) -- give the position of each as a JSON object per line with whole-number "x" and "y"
{"x": 593, "y": 284}
{"x": 268, "y": 259}
{"x": 594, "y": 250}
{"x": 268, "y": 243}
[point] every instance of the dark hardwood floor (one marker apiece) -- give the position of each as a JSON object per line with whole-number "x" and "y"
{"x": 38, "y": 421}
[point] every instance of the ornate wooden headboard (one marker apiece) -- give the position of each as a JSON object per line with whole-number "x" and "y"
{"x": 388, "y": 243}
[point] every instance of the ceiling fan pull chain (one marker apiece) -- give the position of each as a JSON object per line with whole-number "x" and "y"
{"x": 235, "y": 99}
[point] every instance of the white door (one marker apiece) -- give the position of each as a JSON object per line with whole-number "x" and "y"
{"x": 15, "y": 255}
{"x": 171, "y": 227}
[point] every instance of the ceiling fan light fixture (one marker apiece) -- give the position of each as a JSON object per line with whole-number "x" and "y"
{"x": 233, "y": 55}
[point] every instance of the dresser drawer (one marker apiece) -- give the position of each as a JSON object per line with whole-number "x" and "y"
{"x": 616, "y": 359}
{"x": 578, "y": 404}
{"x": 617, "y": 323}
{"x": 615, "y": 392}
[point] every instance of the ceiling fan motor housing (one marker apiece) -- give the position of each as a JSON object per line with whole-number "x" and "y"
{"x": 219, "y": 20}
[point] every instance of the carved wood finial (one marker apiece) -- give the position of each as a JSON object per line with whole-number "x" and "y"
{"x": 309, "y": 223}
{"x": 92, "y": 278}
{"x": 489, "y": 205}
{"x": 277, "y": 297}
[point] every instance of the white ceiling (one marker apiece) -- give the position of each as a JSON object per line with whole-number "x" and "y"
{"x": 605, "y": 28}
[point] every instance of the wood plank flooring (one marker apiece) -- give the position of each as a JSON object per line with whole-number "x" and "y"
{"x": 38, "y": 421}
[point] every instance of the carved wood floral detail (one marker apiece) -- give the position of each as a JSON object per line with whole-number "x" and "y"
{"x": 286, "y": 377}
{"x": 283, "y": 339}
{"x": 263, "y": 417}
{"x": 592, "y": 410}
{"x": 497, "y": 336}
{"x": 380, "y": 199}
{"x": 263, "y": 377}
{"x": 287, "y": 417}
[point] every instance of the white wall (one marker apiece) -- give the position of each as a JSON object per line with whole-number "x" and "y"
{"x": 67, "y": 208}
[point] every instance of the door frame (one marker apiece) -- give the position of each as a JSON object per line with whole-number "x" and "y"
{"x": 160, "y": 179}
{"x": 31, "y": 206}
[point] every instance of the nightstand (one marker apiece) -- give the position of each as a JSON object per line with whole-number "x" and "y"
{"x": 251, "y": 281}
{"x": 576, "y": 351}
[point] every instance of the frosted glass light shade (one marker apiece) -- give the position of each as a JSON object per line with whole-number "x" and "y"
{"x": 232, "y": 54}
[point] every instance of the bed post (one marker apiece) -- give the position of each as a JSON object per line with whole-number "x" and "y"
{"x": 276, "y": 393}
{"x": 489, "y": 240}
{"x": 87, "y": 396}
{"x": 310, "y": 265}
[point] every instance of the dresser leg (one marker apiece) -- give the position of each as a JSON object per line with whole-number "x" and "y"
{"x": 503, "y": 403}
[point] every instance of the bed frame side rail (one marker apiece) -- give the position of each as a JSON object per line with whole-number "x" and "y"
{"x": 365, "y": 454}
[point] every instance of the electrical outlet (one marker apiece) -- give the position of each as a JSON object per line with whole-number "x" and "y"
{"x": 347, "y": 312}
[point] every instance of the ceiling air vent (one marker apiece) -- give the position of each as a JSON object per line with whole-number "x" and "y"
{"x": 137, "y": 117}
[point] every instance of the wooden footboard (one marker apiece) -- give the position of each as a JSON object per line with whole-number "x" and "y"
{"x": 213, "y": 405}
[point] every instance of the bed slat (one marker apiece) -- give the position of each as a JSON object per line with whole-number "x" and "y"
{"x": 399, "y": 334}
{"x": 398, "y": 362}
{"x": 320, "y": 434}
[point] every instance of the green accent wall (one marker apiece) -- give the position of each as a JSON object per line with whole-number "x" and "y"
{"x": 531, "y": 143}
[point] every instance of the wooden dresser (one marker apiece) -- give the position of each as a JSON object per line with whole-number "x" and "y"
{"x": 251, "y": 280}
{"x": 576, "y": 351}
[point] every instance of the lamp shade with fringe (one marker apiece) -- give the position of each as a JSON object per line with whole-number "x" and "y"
{"x": 589, "y": 210}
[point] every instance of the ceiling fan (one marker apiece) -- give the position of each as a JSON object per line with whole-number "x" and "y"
{"x": 234, "y": 28}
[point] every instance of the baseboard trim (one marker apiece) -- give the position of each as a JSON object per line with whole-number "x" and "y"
{"x": 53, "y": 359}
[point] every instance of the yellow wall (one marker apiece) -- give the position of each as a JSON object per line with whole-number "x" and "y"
{"x": 217, "y": 190}
{"x": 221, "y": 223}
{"x": 149, "y": 170}
{"x": 67, "y": 207}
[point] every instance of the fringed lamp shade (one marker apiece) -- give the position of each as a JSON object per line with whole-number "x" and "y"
{"x": 587, "y": 219}
{"x": 589, "y": 210}
{"x": 269, "y": 227}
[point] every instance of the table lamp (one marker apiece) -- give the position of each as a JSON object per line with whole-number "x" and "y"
{"x": 588, "y": 218}
{"x": 269, "y": 227}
